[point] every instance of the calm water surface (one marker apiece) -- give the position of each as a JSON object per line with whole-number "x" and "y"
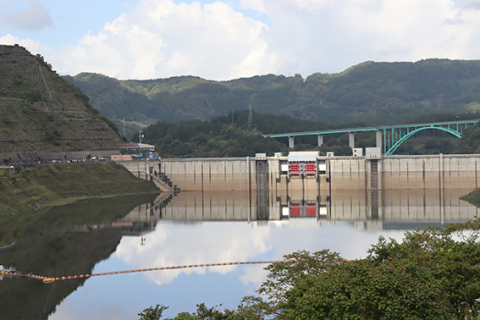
{"x": 194, "y": 228}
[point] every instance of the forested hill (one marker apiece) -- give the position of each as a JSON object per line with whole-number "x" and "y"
{"x": 372, "y": 93}
{"x": 40, "y": 111}
{"x": 233, "y": 135}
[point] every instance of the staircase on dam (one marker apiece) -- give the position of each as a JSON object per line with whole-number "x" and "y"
{"x": 164, "y": 183}
{"x": 150, "y": 170}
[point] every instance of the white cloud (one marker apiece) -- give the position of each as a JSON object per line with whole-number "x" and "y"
{"x": 255, "y": 275}
{"x": 196, "y": 244}
{"x": 9, "y": 39}
{"x": 173, "y": 244}
{"x": 160, "y": 38}
{"x": 332, "y": 35}
{"x": 33, "y": 46}
{"x": 34, "y": 17}
{"x": 255, "y": 5}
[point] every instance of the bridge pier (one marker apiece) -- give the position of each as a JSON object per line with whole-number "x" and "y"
{"x": 351, "y": 140}
{"x": 320, "y": 139}
{"x": 291, "y": 142}
{"x": 379, "y": 140}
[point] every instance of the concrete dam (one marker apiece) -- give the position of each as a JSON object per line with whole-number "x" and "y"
{"x": 307, "y": 172}
{"x": 305, "y": 185}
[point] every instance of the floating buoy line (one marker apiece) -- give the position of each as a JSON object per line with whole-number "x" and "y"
{"x": 46, "y": 279}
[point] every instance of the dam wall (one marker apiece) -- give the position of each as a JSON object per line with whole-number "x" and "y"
{"x": 392, "y": 189}
{"x": 430, "y": 172}
{"x": 211, "y": 174}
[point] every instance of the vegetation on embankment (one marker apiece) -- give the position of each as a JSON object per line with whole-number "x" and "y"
{"x": 49, "y": 184}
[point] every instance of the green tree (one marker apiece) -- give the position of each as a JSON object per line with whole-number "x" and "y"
{"x": 362, "y": 290}
{"x": 283, "y": 276}
{"x": 470, "y": 141}
{"x": 152, "y": 313}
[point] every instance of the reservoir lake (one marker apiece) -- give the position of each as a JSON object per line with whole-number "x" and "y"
{"x": 127, "y": 233}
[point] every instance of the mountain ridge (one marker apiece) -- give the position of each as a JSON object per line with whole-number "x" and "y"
{"x": 375, "y": 93}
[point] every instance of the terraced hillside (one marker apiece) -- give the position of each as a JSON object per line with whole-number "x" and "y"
{"x": 40, "y": 111}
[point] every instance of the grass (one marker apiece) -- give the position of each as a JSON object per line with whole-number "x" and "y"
{"x": 57, "y": 184}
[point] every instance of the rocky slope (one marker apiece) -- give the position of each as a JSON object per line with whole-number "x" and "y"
{"x": 40, "y": 111}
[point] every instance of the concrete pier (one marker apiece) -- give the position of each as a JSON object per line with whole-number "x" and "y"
{"x": 320, "y": 140}
{"x": 351, "y": 140}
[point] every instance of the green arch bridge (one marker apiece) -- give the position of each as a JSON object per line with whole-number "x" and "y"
{"x": 388, "y": 137}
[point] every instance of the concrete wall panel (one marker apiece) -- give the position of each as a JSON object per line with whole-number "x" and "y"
{"x": 230, "y": 174}
{"x": 394, "y": 173}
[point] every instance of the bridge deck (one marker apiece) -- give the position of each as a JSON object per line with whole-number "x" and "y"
{"x": 366, "y": 129}
{"x": 393, "y": 136}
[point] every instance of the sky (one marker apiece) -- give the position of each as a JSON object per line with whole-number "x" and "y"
{"x": 231, "y": 39}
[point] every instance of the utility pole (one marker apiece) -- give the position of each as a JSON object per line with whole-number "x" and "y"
{"x": 140, "y": 136}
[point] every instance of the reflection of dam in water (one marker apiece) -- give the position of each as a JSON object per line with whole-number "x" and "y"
{"x": 142, "y": 219}
{"x": 359, "y": 189}
{"x": 391, "y": 207}
{"x": 304, "y": 185}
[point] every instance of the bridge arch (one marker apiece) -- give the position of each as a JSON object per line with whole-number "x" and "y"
{"x": 389, "y": 138}
{"x": 404, "y": 138}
